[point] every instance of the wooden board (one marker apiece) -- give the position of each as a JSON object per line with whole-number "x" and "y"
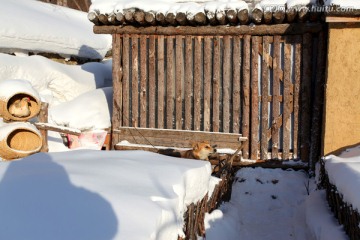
{"x": 177, "y": 138}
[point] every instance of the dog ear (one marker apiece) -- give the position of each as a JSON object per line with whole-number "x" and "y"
{"x": 195, "y": 146}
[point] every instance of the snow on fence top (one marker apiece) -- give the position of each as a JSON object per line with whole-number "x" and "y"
{"x": 220, "y": 12}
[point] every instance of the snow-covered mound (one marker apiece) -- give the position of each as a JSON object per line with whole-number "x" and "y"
{"x": 344, "y": 173}
{"x": 34, "y": 26}
{"x": 99, "y": 195}
{"x": 88, "y": 111}
{"x": 54, "y": 81}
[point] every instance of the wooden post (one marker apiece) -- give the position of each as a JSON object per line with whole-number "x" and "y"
{"x": 246, "y": 93}
{"x": 255, "y": 97}
{"x": 117, "y": 88}
{"x": 43, "y": 117}
{"x": 236, "y": 104}
{"x": 276, "y": 117}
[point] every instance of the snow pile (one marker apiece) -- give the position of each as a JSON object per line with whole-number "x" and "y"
{"x": 33, "y": 26}
{"x": 95, "y": 108}
{"x": 9, "y": 88}
{"x": 344, "y": 173}
{"x": 162, "y": 6}
{"x": 55, "y": 82}
{"x": 99, "y": 195}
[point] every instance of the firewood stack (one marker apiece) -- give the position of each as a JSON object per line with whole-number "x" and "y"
{"x": 205, "y": 14}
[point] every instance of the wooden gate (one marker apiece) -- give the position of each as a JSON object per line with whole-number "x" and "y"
{"x": 264, "y": 82}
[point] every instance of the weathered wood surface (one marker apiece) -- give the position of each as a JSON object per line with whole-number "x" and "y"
{"x": 43, "y": 126}
{"x": 116, "y": 119}
{"x": 216, "y": 85}
{"x": 43, "y": 117}
{"x": 179, "y": 78}
{"x": 189, "y": 74}
{"x": 279, "y": 29}
{"x": 236, "y": 80}
{"x": 134, "y": 80}
{"x": 160, "y": 81}
{"x": 246, "y": 94}
{"x": 143, "y": 91}
{"x": 177, "y": 138}
{"x": 152, "y": 81}
{"x": 170, "y": 91}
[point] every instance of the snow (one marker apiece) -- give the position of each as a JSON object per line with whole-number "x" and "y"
{"x": 87, "y": 194}
{"x": 108, "y": 194}
{"x": 9, "y": 88}
{"x": 344, "y": 173}
{"x": 55, "y": 82}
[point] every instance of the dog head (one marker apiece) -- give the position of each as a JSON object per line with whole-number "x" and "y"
{"x": 202, "y": 150}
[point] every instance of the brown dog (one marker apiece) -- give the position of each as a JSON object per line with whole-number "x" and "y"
{"x": 200, "y": 150}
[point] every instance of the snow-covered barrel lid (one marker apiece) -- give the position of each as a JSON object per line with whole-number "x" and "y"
{"x": 220, "y": 12}
{"x": 16, "y": 89}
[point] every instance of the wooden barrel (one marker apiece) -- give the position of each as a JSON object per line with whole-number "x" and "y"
{"x": 19, "y": 140}
{"x": 16, "y": 89}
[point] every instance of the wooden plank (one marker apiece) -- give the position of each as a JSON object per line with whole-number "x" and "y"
{"x": 43, "y": 117}
{"x": 216, "y": 85}
{"x": 126, "y": 81}
{"x": 254, "y": 141}
{"x": 297, "y": 78}
{"x": 170, "y": 104}
{"x": 152, "y": 81}
{"x": 117, "y": 87}
{"x": 246, "y": 94}
{"x": 275, "y": 101}
{"x": 307, "y": 49}
{"x": 266, "y": 63}
{"x": 143, "y": 81}
{"x": 258, "y": 30}
{"x": 288, "y": 98}
{"x": 188, "y": 82}
{"x": 179, "y": 78}
{"x": 207, "y": 81}
{"x": 134, "y": 80}
{"x": 198, "y": 63}
{"x": 236, "y": 96}
{"x": 177, "y": 138}
{"x": 226, "y": 84}
{"x": 160, "y": 81}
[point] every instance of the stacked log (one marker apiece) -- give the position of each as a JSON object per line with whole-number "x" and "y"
{"x": 203, "y": 15}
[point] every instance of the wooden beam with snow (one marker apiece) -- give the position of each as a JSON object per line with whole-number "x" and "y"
{"x": 55, "y": 128}
{"x": 279, "y": 29}
{"x": 177, "y": 138}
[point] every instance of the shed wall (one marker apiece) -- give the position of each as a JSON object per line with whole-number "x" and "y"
{"x": 342, "y": 108}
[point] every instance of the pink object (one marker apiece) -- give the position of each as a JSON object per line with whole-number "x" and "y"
{"x": 88, "y": 140}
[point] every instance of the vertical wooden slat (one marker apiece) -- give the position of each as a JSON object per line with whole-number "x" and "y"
{"x": 152, "y": 82}
{"x": 117, "y": 88}
{"x": 170, "y": 83}
{"x": 134, "y": 80}
{"x": 246, "y": 95}
{"x": 226, "y": 83}
{"x": 143, "y": 80}
{"x": 236, "y": 107}
{"x": 207, "y": 81}
{"x": 306, "y": 97}
{"x": 215, "y": 84}
{"x": 179, "y": 79}
{"x": 275, "y": 125}
{"x": 264, "y": 97}
{"x": 255, "y": 97}
{"x": 297, "y": 72}
{"x": 161, "y": 81}
{"x": 188, "y": 82}
{"x": 126, "y": 81}
{"x": 197, "y": 83}
{"x": 287, "y": 99}
{"x": 318, "y": 101}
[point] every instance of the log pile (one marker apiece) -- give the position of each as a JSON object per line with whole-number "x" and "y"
{"x": 343, "y": 211}
{"x": 195, "y": 214}
{"x": 228, "y": 16}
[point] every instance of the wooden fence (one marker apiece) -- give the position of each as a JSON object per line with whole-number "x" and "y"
{"x": 265, "y": 82}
